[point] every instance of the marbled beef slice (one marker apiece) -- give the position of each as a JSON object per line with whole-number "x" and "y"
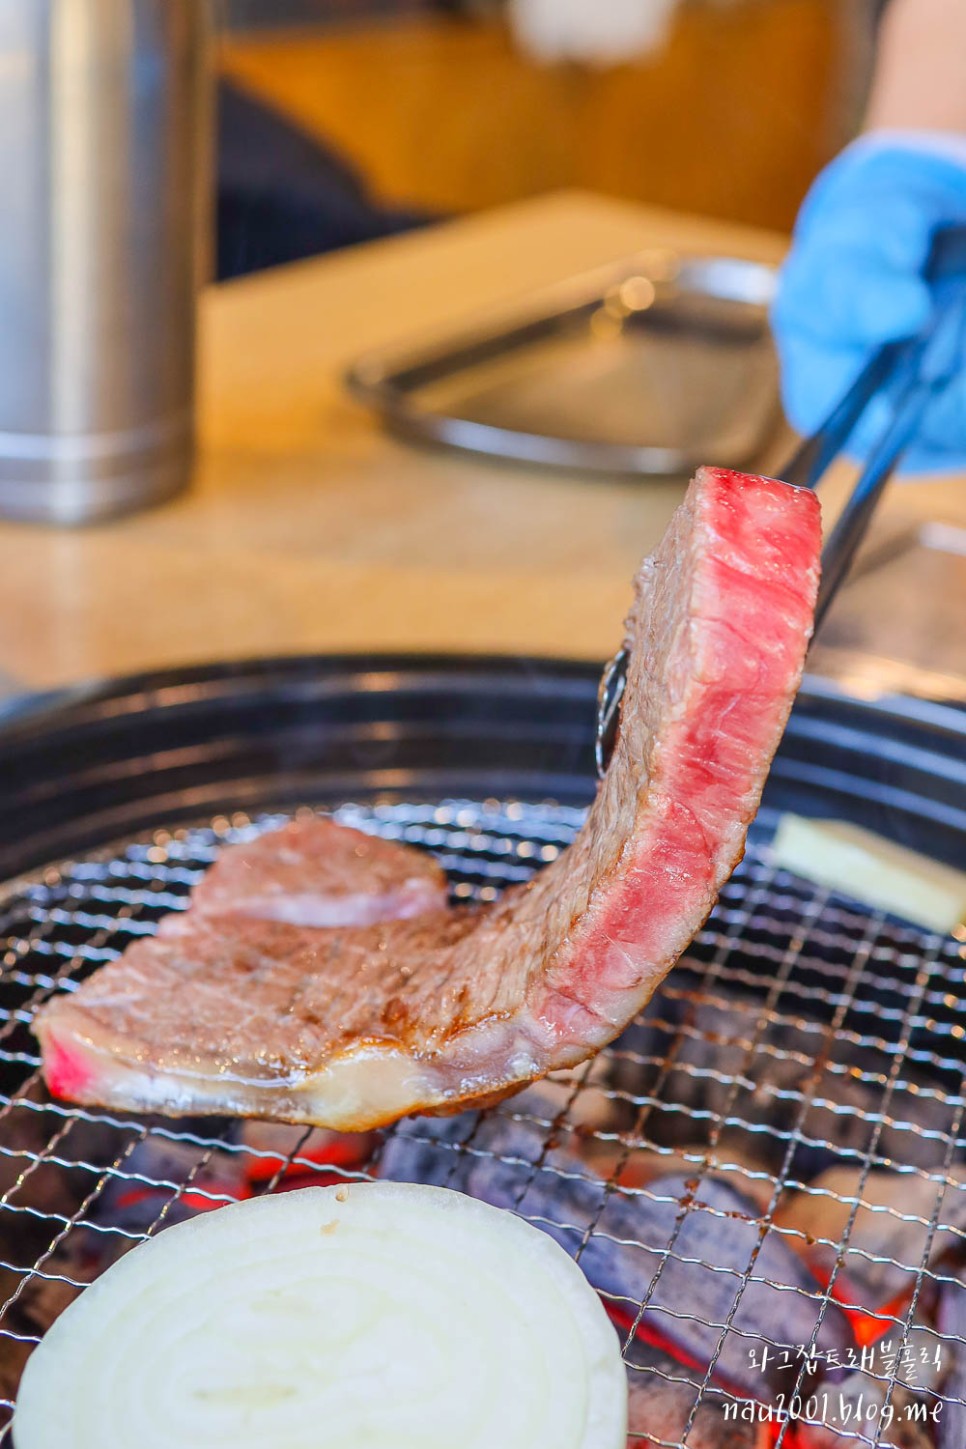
{"x": 356, "y": 1026}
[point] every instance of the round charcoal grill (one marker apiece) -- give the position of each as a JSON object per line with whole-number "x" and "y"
{"x": 800, "y": 1033}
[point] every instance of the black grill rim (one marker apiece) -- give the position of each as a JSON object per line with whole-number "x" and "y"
{"x": 83, "y": 766}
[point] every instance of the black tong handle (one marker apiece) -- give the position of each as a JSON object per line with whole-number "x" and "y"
{"x": 916, "y": 370}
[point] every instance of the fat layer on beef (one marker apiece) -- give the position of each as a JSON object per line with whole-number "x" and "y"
{"x": 357, "y": 1026}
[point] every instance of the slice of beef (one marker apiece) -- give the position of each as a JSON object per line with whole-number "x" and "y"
{"x": 315, "y": 872}
{"x": 354, "y": 1027}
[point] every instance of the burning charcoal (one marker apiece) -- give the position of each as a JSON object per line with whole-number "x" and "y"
{"x": 921, "y": 1120}
{"x": 504, "y": 1162}
{"x": 584, "y": 1094}
{"x": 639, "y": 1053}
{"x": 83, "y": 1255}
{"x": 280, "y": 1157}
{"x": 640, "y": 1166}
{"x": 661, "y": 1395}
{"x": 913, "y": 1354}
{"x": 703, "y": 1046}
{"x": 129, "y": 1204}
{"x": 721, "y": 1040}
{"x": 38, "y": 1147}
{"x": 147, "y": 1182}
{"x": 951, "y": 1322}
{"x": 881, "y": 1229}
{"x": 38, "y": 1193}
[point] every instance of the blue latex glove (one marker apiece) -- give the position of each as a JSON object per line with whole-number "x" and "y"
{"x": 853, "y": 281}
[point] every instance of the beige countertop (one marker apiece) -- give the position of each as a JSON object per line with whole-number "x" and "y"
{"x": 308, "y": 529}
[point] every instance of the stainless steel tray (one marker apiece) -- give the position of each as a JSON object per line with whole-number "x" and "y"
{"x": 649, "y": 366}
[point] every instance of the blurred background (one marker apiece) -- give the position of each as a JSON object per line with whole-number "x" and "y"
{"x": 429, "y": 166}
{"x": 728, "y": 108}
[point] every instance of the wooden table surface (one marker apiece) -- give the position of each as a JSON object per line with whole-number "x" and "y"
{"x": 307, "y": 528}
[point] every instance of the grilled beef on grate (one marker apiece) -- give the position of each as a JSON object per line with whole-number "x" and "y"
{"x": 356, "y": 1026}
{"x": 314, "y": 872}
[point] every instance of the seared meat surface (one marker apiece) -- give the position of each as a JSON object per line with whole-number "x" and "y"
{"x": 314, "y": 872}
{"x": 356, "y": 1026}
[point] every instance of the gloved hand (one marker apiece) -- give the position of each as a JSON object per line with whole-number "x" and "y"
{"x": 854, "y": 280}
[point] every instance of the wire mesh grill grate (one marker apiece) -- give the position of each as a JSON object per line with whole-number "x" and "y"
{"x": 805, "y": 1055}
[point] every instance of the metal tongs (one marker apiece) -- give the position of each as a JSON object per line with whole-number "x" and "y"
{"x": 912, "y": 372}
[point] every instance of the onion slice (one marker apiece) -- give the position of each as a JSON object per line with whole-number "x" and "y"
{"x": 383, "y": 1314}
